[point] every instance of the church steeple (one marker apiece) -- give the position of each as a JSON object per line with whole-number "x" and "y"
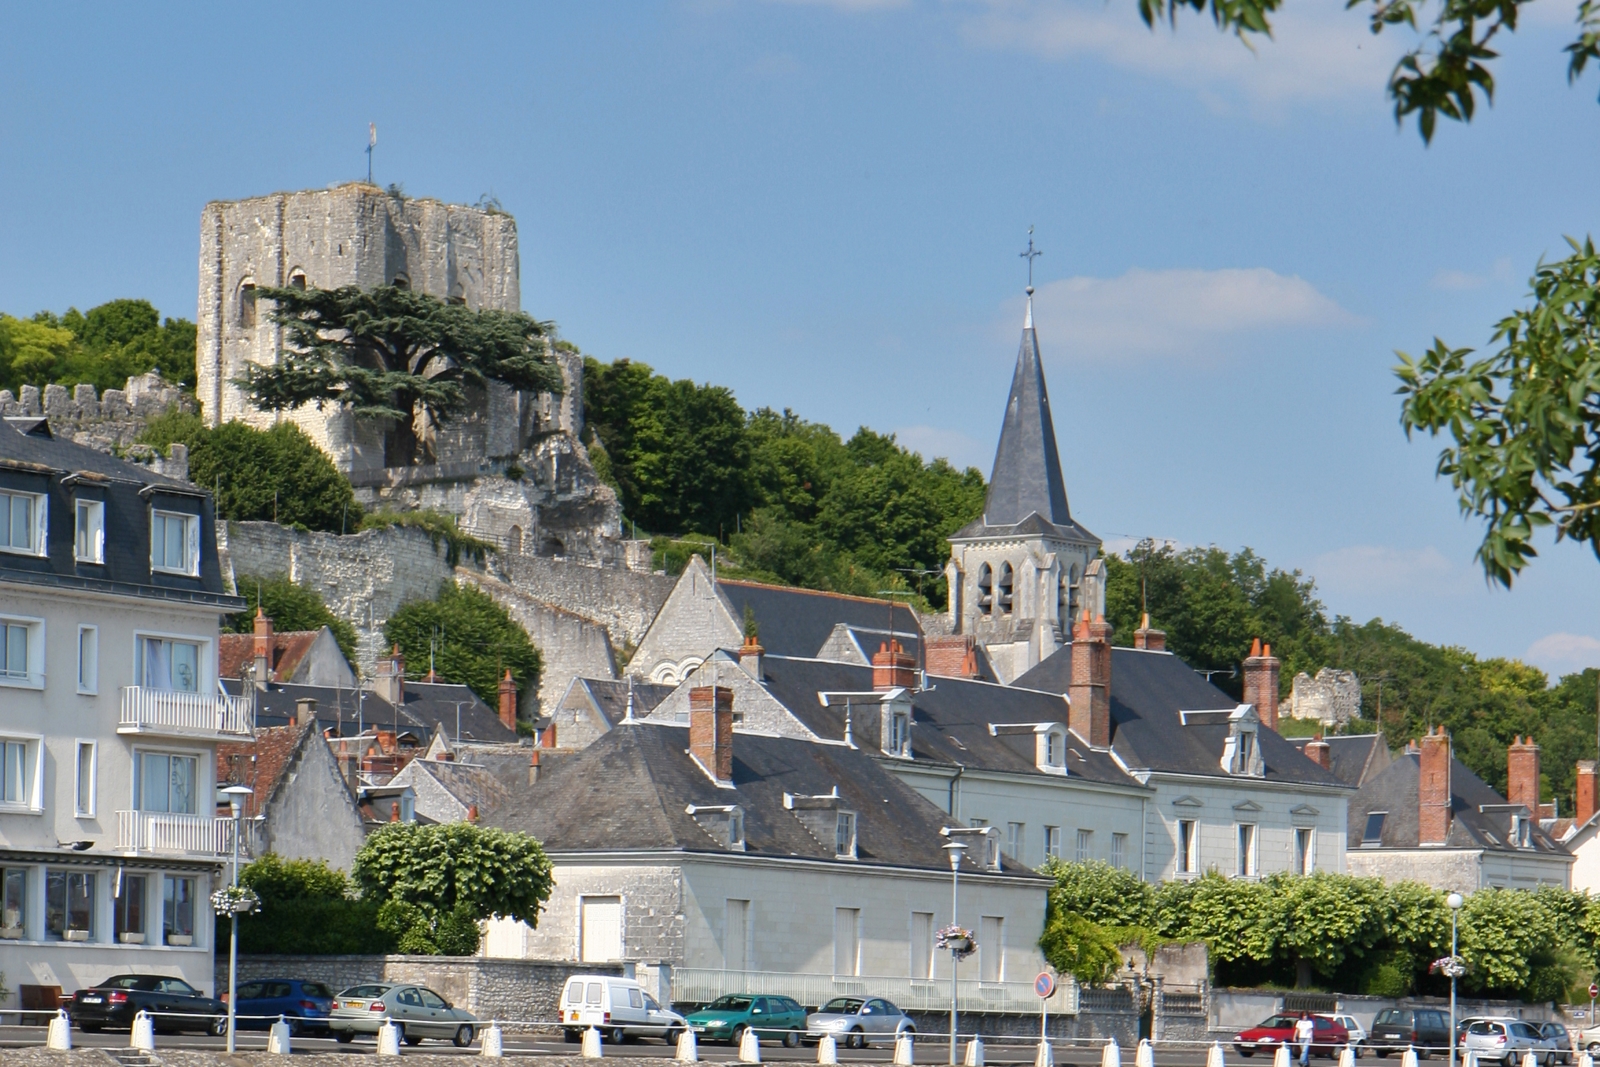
{"x": 1027, "y": 467}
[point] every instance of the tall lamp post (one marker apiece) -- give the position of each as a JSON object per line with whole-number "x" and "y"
{"x": 955, "y": 850}
{"x": 1455, "y": 901}
{"x": 235, "y": 795}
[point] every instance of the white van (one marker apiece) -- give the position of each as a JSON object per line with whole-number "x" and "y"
{"x": 618, "y": 1007}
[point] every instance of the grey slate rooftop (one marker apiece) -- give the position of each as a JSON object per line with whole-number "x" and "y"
{"x": 427, "y": 707}
{"x": 611, "y": 696}
{"x": 1353, "y": 757}
{"x": 797, "y": 622}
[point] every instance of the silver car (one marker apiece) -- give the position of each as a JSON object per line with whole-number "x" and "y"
{"x": 1507, "y": 1041}
{"x": 856, "y": 1022}
{"x": 417, "y": 1011}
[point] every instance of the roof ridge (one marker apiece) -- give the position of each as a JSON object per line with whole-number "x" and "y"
{"x": 746, "y": 583}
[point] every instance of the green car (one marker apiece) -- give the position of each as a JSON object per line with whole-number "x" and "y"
{"x": 729, "y": 1016}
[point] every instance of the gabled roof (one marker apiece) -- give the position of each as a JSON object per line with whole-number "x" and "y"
{"x": 1149, "y": 693}
{"x": 610, "y": 696}
{"x": 1353, "y": 758}
{"x": 797, "y": 622}
{"x": 468, "y": 783}
{"x": 261, "y": 764}
{"x": 289, "y": 647}
{"x": 350, "y": 711}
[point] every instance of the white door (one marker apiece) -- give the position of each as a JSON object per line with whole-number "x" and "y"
{"x": 847, "y": 941}
{"x": 601, "y": 928}
{"x": 991, "y": 948}
{"x": 922, "y": 944}
{"x": 736, "y": 944}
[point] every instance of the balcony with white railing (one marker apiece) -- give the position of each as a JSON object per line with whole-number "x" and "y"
{"x": 164, "y": 713}
{"x": 701, "y": 986}
{"x": 162, "y": 833}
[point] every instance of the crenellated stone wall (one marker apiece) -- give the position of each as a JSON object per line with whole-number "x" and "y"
{"x": 108, "y": 422}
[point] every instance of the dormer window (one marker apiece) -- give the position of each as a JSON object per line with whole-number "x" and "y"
{"x": 1241, "y": 752}
{"x": 174, "y": 542}
{"x": 89, "y": 534}
{"x": 844, "y": 841}
{"x": 1053, "y": 751}
{"x": 736, "y": 829}
{"x": 724, "y": 823}
{"x": 897, "y": 738}
{"x": 827, "y": 822}
{"x": 1247, "y": 751}
{"x": 22, "y": 523}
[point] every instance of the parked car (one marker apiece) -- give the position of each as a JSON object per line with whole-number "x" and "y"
{"x": 417, "y": 1011}
{"x": 303, "y": 1005}
{"x": 1589, "y": 1039}
{"x": 1507, "y": 1040}
{"x": 729, "y": 1016}
{"x": 1327, "y": 1037}
{"x": 1397, "y": 1029}
{"x": 1355, "y": 1033}
{"x": 174, "y": 1004}
{"x": 1561, "y": 1040}
{"x": 618, "y": 1007}
{"x": 856, "y": 1021}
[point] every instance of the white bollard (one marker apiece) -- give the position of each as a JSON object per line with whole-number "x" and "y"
{"x": 1584, "y": 1060}
{"x": 1214, "y": 1055}
{"x": 1280, "y": 1058}
{"x": 688, "y": 1048}
{"x": 1471, "y": 1059}
{"x": 974, "y": 1057}
{"x": 278, "y": 1037}
{"x": 494, "y": 1042}
{"x": 388, "y": 1038}
{"x": 591, "y": 1044}
{"x": 827, "y": 1049}
{"x": 903, "y": 1055}
{"x": 1409, "y": 1058}
{"x": 1045, "y": 1057}
{"x": 144, "y": 1033}
{"x": 1111, "y": 1055}
{"x": 1530, "y": 1060}
{"x": 59, "y": 1036}
{"x": 749, "y": 1046}
{"x": 1347, "y": 1057}
{"x": 1146, "y": 1054}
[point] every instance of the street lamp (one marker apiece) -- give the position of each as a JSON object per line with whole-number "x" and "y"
{"x": 955, "y": 849}
{"x": 1455, "y": 901}
{"x": 235, "y": 795}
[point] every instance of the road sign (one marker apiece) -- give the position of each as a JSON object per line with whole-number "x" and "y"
{"x": 1044, "y": 985}
{"x": 1594, "y": 990}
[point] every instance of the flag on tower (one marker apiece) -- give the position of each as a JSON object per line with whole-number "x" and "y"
{"x": 372, "y": 135}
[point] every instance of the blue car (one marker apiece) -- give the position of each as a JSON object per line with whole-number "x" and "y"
{"x": 303, "y": 1005}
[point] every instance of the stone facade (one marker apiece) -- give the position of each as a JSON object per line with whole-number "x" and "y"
{"x": 1333, "y": 697}
{"x": 1017, "y": 594}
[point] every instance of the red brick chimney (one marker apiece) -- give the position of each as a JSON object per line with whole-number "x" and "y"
{"x": 1261, "y": 683}
{"x": 472, "y": 813}
{"x": 1588, "y": 797}
{"x": 1320, "y": 752}
{"x": 1149, "y": 640}
{"x": 1433, "y": 788}
{"x": 893, "y": 667}
{"x": 394, "y": 811}
{"x": 750, "y": 656}
{"x": 1089, "y": 692}
{"x": 952, "y": 655}
{"x": 508, "y": 702}
{"x": 1522, "y": 774}
{"x": 711, "y": 729}
{"x": 263, "y": 648}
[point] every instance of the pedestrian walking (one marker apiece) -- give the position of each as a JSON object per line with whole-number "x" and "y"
{"x": 1302, "y": 1036}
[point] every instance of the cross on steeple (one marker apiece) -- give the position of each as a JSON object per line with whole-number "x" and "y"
{"x": 1030, "y": 255}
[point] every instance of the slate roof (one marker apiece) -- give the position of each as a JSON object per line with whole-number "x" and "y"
{"x": 469, "y": 783}
{"x": 288, "y": 649}
{"x": 260, "y": 764}
{"x": 1148, "y": 692}
{"x": 611, "y": 697}
{"x": 628, "y": 792}
{"x": 1353, "y": 757}
{"x": 349, "y": 711}
{"x": 1395, "y": 792}
{"x": 797, "y": 622}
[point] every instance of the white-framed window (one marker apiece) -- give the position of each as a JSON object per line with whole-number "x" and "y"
{"x": 19, "y": 773}
{"x": 1051, "y": 751}
{"x": 13, "y": 902}
{"x": 1247, "y": 850}
{"x": 1188, "y": 847}
{"x": 174, "y": 542}
{"x": 899, "y": 735}
{"x": 69, "y": 905}
{"x": 177, "y": 909}
{"x": 922, "y": 944}
{"x": 89, "y": 531}
{"x": 1014, "y": 839}
{"x": 1247, "y": 750}
{"x": 89, "y": 660}
{"x": 1085, "y": 847}
{"x": 22, "y": 523}
{"x": 1119, "y": 850}
{"x": 844, "y": 837}
{"x": 1052, "y": 842}
{"x": 22, "y": 652}
{"x": 85, "y": 767}
{"x": 167, "y": 782}
{"x": 1305, "y": 850}
{"x": 166, "y": 663}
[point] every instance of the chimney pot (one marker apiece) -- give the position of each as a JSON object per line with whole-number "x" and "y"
{"x": 1261, "y": 683}
{"x": 1588, "y": 798}
{"x": 394, "y": 811}
{"x": 305, "y": 710}
{"x": 893, "y": 667}
{"x": 263, "y": 649}
{"x": 390, "y": 683}
{"x": 1522, "y": 774}
{"x": 508, "y": 702}
{"x": 952, "y": 655}
{"x": 750, "y": 657}
{"x": 711, "y": 729}
{"x": 1148, "y": 639}
{"x": 1089, "y": 695}
{"x": 1320, "y": 752}
{"x": 1433, "y": 788}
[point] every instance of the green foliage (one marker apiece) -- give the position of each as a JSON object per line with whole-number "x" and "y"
{"x": 1074, "y": 945}
{"x": 751, "y": 627}
{"x": 1101, "y": 893}
{"x": 439, "y": 526}
{"x": 398, "y": 355}
{"x": 290, "y": 607}
{"x": 273, "y": 475}
{"x": 435, "y": 882}
{"x": 306, "y": 907}
{"x": 105, "y": 347}
{"x": 472, "y": 640}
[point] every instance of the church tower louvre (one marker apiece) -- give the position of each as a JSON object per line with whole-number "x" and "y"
{"x": 1020, "y": 574}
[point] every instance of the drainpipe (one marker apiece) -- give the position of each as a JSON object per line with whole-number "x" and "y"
{"x": 950, "y": 804}
{"x": 1144, "y": 839}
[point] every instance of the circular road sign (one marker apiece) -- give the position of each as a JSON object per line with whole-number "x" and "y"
{"x": 1044, "y": 985}
{"x": 1594, "y": 991}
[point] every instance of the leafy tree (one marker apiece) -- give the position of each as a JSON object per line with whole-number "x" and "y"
{"x": 394, "y": 354}
{"x": 30, "y": 352}
{"x": 1328, "y": 919}
{"x": 306, "y": 907}
{"x": 472, "y": 640}
{"x": 104, "y": 347}
{"x": 1074, "y": 945}
{"x": 276, "y": 475}
{"x": 1508, "y": 937}
{"x": 290, "y": 607}
{"x": 1101, "y": 893}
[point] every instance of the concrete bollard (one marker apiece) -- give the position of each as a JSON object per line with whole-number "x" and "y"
{"x": 1111, "y": 1055}
{"x": 591, "y": 1044}
{"x": 144, "y": 1033}
{"x": 1584, "y": 1060}
{"x": 688, "y": 1048}
{"x": 749, "y": 1046}
{"x": 1530, "y": 1060}
{"x": 1347, "y": 1057}
{"x": 388, "y": 1038}
{"x": 1214, "y": 1055}
{"x": 1145, "y": 1055}
{"x": 1045, "y": 1057}
{"x": 494, "y": 1042}
{"x": 903, "y": 1055}
{"x": 278, "y": 1037}
{"x": 827, "y": 1049}
{"x": 974, "y": 1057}
{"x": 59, "y": 1036}
{"x": 1280, "y": 1058}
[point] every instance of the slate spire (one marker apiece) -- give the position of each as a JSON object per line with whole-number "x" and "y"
{"x": 1027, "y": 467}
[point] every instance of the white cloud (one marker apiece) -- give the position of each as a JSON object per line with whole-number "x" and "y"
{"x": 1457, "y": 280}
{"x": 1319, "y": 51}
{"x": 1148, "y": 313}
{"x": 960, "y": 449}
{"x": 1563, "y": 653}
{"x": 1364, "y": 573}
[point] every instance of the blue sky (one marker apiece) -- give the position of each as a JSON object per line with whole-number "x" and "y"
{"x": 821, "y": 205}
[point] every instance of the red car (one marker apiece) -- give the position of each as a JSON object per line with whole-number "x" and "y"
{"x": 1326, "y": 1040}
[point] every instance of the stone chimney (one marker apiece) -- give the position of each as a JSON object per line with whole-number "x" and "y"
{"x": 305, "y": 711}
{"x": 1320, "y": 752}
{"x": 1146, "y": 638}
{"x": 508, "y": 702}
{"x": 1089, "y": 695}
{"x": 711, "y": 730}
{"x": 1588, "y": 797}
{"x": 952, "y": 655}
{"x": 1522, "y": 774}
{"x": 750, "y": 656}
{"x": 394, "y": 811}
{"x": 390, "y": 683}
{"x": 1433, "y": 788}
{"x": 263, "y": 649}
{"x": 893, "y": 667}
{"x": 1261, "y": 683}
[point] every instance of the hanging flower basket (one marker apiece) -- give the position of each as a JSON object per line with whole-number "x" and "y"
{"x": 1449, "y": 966}
{"x": 958, "y": 941}
{"x": 234, "y": 900}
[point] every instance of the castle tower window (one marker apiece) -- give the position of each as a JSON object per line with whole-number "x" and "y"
{"x": 297, "y": 280}
{"x": 247, "y": 305}
{"x": 402, "y": 281}
{"x": 1006, "y": 581}
{"x": 985, "y": 590}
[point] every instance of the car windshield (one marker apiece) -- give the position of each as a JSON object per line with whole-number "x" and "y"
{"x": 315, "y": 989}
{"x": 1278, "y": 1022}
{"x": 842, "y": 1006}
{"x": 366, "y": 992}
{"x": 729, "y": 1003}
{"x": 130, "y": 981}
{"x": 1392, "y": 1017}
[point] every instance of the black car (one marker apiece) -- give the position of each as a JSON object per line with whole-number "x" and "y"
{"x": 173, "y": 1004}
{"x": 303, "y": 1005}
{"x": 1396, "y": 1029}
